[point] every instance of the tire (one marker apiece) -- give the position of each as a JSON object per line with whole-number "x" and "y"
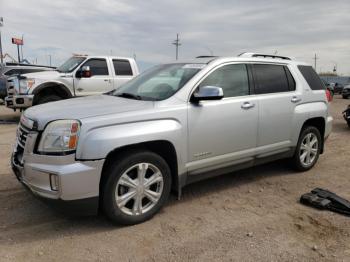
{"x": 123, "y": 175}
{"x": 345, "y": 97}
{"x": 47, "y": 98}
{"x": 298, "y": 162}
{"x": 348, "y": 122}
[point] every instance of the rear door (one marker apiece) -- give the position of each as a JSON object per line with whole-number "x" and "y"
{"x": 276, "y": 92}
{"x": 122, "y": 72}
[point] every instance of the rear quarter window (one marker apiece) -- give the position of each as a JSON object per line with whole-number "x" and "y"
{"x": 311, "y": 77}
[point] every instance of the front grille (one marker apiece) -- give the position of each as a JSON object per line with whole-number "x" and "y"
{"x": 22, "y": 134}
{"x": 10, "y": 87}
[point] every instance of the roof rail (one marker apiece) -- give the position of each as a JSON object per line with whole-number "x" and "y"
{"x": 264, "y": 56}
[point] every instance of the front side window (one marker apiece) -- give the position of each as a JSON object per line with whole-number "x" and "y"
{"x": 122, "y": 67}
{"x": 233, "y": 79}
{"x": 159, "y": 83}
{"x": 98, "y": 67}
{"x": 270, "y": 79}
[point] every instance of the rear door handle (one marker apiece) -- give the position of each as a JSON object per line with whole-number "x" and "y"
{"x": 247, "y": 105}
{"x": 295, "y": 99}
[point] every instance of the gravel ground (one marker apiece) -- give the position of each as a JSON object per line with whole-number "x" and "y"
{"x": 251, "y": 215}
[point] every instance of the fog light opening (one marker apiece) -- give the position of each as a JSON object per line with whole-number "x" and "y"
{"x": 54, "y": 182}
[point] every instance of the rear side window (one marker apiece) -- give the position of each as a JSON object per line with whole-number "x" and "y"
{"x": 311, "y": 77}
{"x": 272, "y": 79}
{"x": 98, "y": 67}
{"x": 122, "y": 67}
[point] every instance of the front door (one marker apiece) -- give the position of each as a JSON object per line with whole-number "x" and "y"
{"x": 100, "y": 81}
{"x": 223, "y": 132}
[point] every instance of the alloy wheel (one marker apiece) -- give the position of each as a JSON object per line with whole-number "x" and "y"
{"x": 308, "y": 149}
{"x": 139, "y": 189}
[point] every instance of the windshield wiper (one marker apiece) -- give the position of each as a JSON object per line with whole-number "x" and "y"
{"x": 129, "y": 95}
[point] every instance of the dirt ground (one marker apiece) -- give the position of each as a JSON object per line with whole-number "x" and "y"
{"x": 251, "y": 215}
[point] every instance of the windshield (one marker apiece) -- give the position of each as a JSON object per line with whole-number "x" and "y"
{"x": 70, "y": 64}
{"x": 159, "y": 83}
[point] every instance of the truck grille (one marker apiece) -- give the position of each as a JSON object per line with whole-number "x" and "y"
{"x": 10, "y": 87}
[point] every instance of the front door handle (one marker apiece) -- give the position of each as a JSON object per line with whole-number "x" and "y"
{"x": 295, "y": 99}
{"x": 247, "y": 105}
{"x": 106, "y": 80}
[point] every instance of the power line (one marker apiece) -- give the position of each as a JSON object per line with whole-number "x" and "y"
{"x": 177, "y": 44}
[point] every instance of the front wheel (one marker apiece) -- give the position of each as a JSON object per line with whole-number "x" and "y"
{"x": 137, "y": 186}
{"x": 308, "y": 149}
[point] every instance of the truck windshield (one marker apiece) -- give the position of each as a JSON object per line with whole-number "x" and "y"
{"x": 70, "y": 64}
{"x": 158, "y": 83}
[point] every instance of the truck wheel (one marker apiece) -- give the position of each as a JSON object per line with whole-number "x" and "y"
{"x": 47, "y": 99}
{"x": 137, "y": 186}
{"x": 308, "y": 149}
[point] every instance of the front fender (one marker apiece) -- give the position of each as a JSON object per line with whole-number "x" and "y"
{"x": 96, "y": 143}
{"x": 36, "y": 89}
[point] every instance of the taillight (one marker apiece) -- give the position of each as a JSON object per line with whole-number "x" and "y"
{"x": 329, "y": 95}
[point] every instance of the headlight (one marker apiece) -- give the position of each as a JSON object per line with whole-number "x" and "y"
{"x": 25, "y": 85}
{"x": 60, "y": 136}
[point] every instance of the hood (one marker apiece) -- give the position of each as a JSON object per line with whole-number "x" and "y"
{"x": 80, "y": 108}
{"x": 49, "y": 75}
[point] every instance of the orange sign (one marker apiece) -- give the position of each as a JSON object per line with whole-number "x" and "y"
{"x": 17, "y": 41}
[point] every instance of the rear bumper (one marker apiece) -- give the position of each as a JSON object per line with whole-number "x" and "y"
{"x": 19, "y": 101}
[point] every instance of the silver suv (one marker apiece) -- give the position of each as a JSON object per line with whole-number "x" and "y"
{"x": 172, "y": 125}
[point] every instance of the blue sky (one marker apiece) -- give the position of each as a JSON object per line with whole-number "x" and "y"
{"x": 146, "y": 29}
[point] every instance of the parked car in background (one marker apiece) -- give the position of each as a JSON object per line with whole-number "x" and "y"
{"x": 346, "y": 92}
{"x": 172, "y": 125}
{"x": 346, "y": 115}
{"x": 10, "y": 69}
{"x": 338, "y": 88}
{"x": 78, "y": 76}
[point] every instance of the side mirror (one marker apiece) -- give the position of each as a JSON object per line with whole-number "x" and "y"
{"x": 84, "y": 72}
{"x": 207, "y": 93}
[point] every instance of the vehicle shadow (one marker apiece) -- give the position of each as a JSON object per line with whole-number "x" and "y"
{"x": 42, "y": 222}
{"x": 8, "y": 116}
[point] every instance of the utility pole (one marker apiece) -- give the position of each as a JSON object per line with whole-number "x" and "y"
{"x": 1, "y": 24}
{"x": 315, "y": 58}
{"x": 22, "y": 48}
{"x": 177, "y": 44}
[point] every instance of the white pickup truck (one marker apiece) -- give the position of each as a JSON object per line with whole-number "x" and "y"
{"x": 78, "y": 76}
